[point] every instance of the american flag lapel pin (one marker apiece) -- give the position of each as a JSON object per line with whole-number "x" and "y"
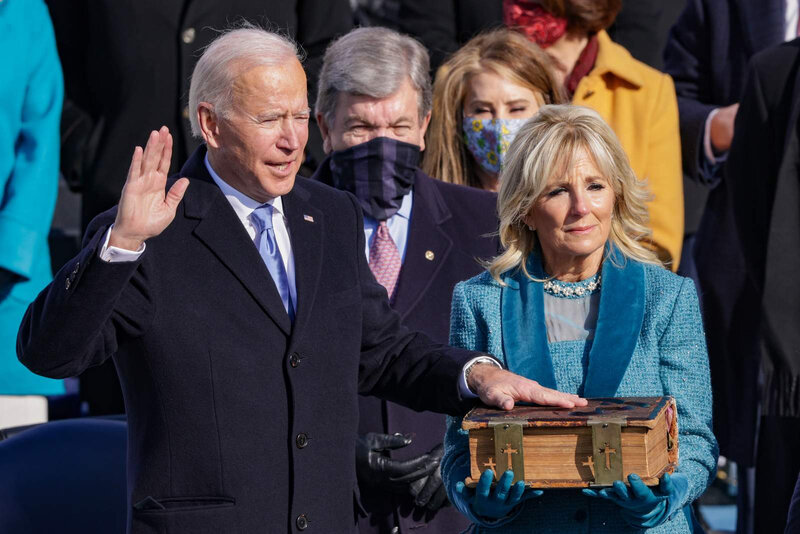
{"x": 308, "y": 218}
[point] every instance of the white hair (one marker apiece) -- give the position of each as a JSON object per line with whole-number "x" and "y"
{"x": 231, "y": 54}
{"x": 373, "y": 62}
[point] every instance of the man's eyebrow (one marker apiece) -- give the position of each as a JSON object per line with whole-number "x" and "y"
{"x": 274, "y": 114}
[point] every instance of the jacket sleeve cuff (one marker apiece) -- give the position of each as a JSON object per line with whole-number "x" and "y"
{"x": 112, "y": 254}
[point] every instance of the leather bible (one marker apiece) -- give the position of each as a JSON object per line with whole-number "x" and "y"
{"x": 586, "y": 446}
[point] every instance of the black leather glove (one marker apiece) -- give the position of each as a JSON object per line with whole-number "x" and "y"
{"x": 429, "y": 491}
{"x": 375, "y": 469}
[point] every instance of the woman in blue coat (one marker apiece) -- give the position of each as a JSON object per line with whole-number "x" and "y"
{"x": 577, "y": 303}
{"x": 31, "y": 92}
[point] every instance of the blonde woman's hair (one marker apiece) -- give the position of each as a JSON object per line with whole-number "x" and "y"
{"x": 548, "y": 144}
{"x": 504, "y": 52}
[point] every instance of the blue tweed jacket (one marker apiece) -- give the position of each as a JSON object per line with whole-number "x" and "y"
{"x": 648, "y": 341}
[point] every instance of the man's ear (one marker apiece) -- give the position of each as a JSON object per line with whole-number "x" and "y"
{"x": 423, "y": 127}
{"x": 209, "y": 124}
{"x": 326, "y": 133}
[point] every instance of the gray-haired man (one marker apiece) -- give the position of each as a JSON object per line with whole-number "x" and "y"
{"x": 422, "y": 236}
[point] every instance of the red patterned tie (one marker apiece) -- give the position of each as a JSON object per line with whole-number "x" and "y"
{"x": 384, "y": 258}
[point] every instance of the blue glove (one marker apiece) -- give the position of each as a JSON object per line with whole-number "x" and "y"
{"x": 498, "y": 502}
{"x": 641, "y": 506}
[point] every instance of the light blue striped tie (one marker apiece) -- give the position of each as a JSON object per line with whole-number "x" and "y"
{"x": 271, "y": 254}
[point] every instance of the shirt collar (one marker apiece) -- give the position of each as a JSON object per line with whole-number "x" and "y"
{"x": 241, "y": 203}
{"x": 405, "y": 207}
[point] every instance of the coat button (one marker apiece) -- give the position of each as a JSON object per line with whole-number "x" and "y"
{"x": 188, "y": 35}
{"x": 301, "y": 522}
{"x": 301, "y": 440}
{"x": 67, "y": 283}
{"x": 294, "y": 359}
{"x": 580, "y": 516}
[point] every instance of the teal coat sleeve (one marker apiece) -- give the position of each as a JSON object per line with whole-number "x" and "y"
{"x": 31, "y": 94}
{"x": 466, "y": 332}
{"x": 684, "y": 373}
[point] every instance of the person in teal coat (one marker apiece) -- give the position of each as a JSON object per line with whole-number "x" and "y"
{"x": 31, "y": 94}
{"x": 578, "y": 302}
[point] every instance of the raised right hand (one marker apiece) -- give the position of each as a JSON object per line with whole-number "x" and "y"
{"x": 145, "y": 208}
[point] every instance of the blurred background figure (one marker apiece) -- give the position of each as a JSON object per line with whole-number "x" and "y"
{"x": 758, "y": 198}
{"x": 127, "y": 67}
{"x": 482, "y": 95}
{"x": 442, "y": 26}
{"x": 32, "y": 90}
{"x": 707, "y": 56}
{"x": 637, "y": 101}
{"x": 422, "y": 236}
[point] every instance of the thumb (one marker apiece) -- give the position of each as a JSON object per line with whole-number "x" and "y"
{"x": 498, "y": 398}
{"x": 665, "y": 485}
{"x": 388, "y": 442}
{"x": 175, "y": 193}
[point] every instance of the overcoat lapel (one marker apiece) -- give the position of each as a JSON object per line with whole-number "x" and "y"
{"x": 427, "y": 248}
{"x": 524, "y": 330}
{"x": 222, "y": 232}
{"x": 306, "y": 225}
{"x": 619, "y": 323}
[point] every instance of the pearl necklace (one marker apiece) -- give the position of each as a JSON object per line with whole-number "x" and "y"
{"x": 572, "y": 290}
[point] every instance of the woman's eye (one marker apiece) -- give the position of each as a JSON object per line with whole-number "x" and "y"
{"x": 519, "y": 110}
{"x": 556, "y": 192}
{"x": 596, "y": 187}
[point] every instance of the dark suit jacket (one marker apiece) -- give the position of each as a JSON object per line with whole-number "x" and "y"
{"x": 706, "y": 55}
{"x": 452, "y": 222}
{"x": 747, "y": 257}
{"x": 239, "y": 421}
{"x": 127, "y": 67}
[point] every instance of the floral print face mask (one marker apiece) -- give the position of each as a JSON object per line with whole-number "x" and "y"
{"x": 488, "y": 140}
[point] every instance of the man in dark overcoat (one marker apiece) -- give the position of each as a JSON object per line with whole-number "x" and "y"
{"x": 127, "y": 67}
{"x": 373, "y": 107}
{"x": 241, "y": 314}
{"x": 707, "y": 56}
{"x": 755, "y": 297}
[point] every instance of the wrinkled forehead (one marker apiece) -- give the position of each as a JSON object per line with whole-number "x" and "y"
{"x": 403, "y": 104}
{"x": 273, "y": 84}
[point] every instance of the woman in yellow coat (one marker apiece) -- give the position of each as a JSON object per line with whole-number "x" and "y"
{"x": 637, "y": 101}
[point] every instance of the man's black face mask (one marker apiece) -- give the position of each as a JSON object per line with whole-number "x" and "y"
{"x": 379, "y": 173}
